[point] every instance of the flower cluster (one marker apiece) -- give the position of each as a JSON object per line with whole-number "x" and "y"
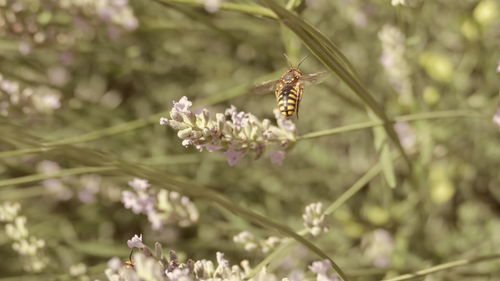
{"x": 162, "y": 207}
{"x": 251, "y": 243}
{"x": 16, "y": 98}
{"x": 235, "y": 133}
{"x": 378, "y": 247}
{"x": 89, "y": 186}
{"x": 153, "y": 266}
{"x": 26, "y": 245}
{"x": 394, "y": 61}
{"x": 315, "y": 220}
{"x": 33, "y": 23}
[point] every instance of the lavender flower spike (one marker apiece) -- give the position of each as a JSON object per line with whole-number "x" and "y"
{"x": 234, "y": 133}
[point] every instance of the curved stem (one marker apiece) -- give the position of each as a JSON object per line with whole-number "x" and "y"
{"x": 63, "y": 173}
{"x": 355, "y": 188}
{"x": 402, "y": 118}
{"x": 444, "y": 266}
{"x": 19, "y": 152}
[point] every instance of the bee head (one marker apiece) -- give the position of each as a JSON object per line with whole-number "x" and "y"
{"x": 292, "y": 75}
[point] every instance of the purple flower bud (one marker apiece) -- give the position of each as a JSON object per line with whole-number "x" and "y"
{"x": 176, "y": 125}
{"x": 185, "y": 133}
{"x": 183, "y": 105}
{"x": 187, "y": 143}
{"x": 164, "y": 121}
{"x": 177, "y": 116}
{"x": 277, "y": 157}
{"x": 211, "y": 147}
{"x": 233, "y": 156}
{"x": 136, "y": 242}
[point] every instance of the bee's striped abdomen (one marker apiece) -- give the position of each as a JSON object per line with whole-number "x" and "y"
{"x": 287, "y": 100}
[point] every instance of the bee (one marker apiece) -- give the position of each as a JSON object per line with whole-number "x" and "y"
{"x": 289, "y": 89}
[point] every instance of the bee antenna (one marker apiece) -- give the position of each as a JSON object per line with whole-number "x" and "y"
{"x": 302, "y": 60}
{"x": 288, "y": 60}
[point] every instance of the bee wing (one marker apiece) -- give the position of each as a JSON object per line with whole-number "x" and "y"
{"x": 265, "y": 87}
{"x": 315, "y": 78}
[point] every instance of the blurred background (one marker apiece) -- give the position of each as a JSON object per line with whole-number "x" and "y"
{"x": 73, "y": 68}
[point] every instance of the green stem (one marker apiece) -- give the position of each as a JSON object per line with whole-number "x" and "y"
{"x": 444, "y": 266}
{"x": 403, "y": 118}
{"x": 63, "y": 173}
{"x": 16, "y": 194}
{"x": 111, "y": 131}
{"x": 342, "y": 199}
{"x": 137, "y": 124}
{"x": 19, "y": 152}
{"x": 355, "y": 188}
{"x": 227, "y": 6}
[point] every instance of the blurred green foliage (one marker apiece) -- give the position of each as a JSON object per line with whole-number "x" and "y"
{"x": 79, "y": 72}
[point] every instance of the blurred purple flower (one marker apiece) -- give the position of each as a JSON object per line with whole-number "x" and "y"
{"x": 212, "y": 6}
{"x": 156, "y": 220}
{"x": 139, "y": 203}
{"x": 496, "y": 117}
{"x": 139, "y": 184}
{"x": 378, "y": 247}
{"x": 277, "y": 157}
{"x": 406, "y": 135}
{"x": 86, "y": 196}
{"x": 320, "y": 268}
{"x": 162, "y": 207}
{"x": 115, "y": 264}
{"x": 233, "y": 156}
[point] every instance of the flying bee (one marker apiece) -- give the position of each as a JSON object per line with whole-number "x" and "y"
{"x": 289, "y": 89}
